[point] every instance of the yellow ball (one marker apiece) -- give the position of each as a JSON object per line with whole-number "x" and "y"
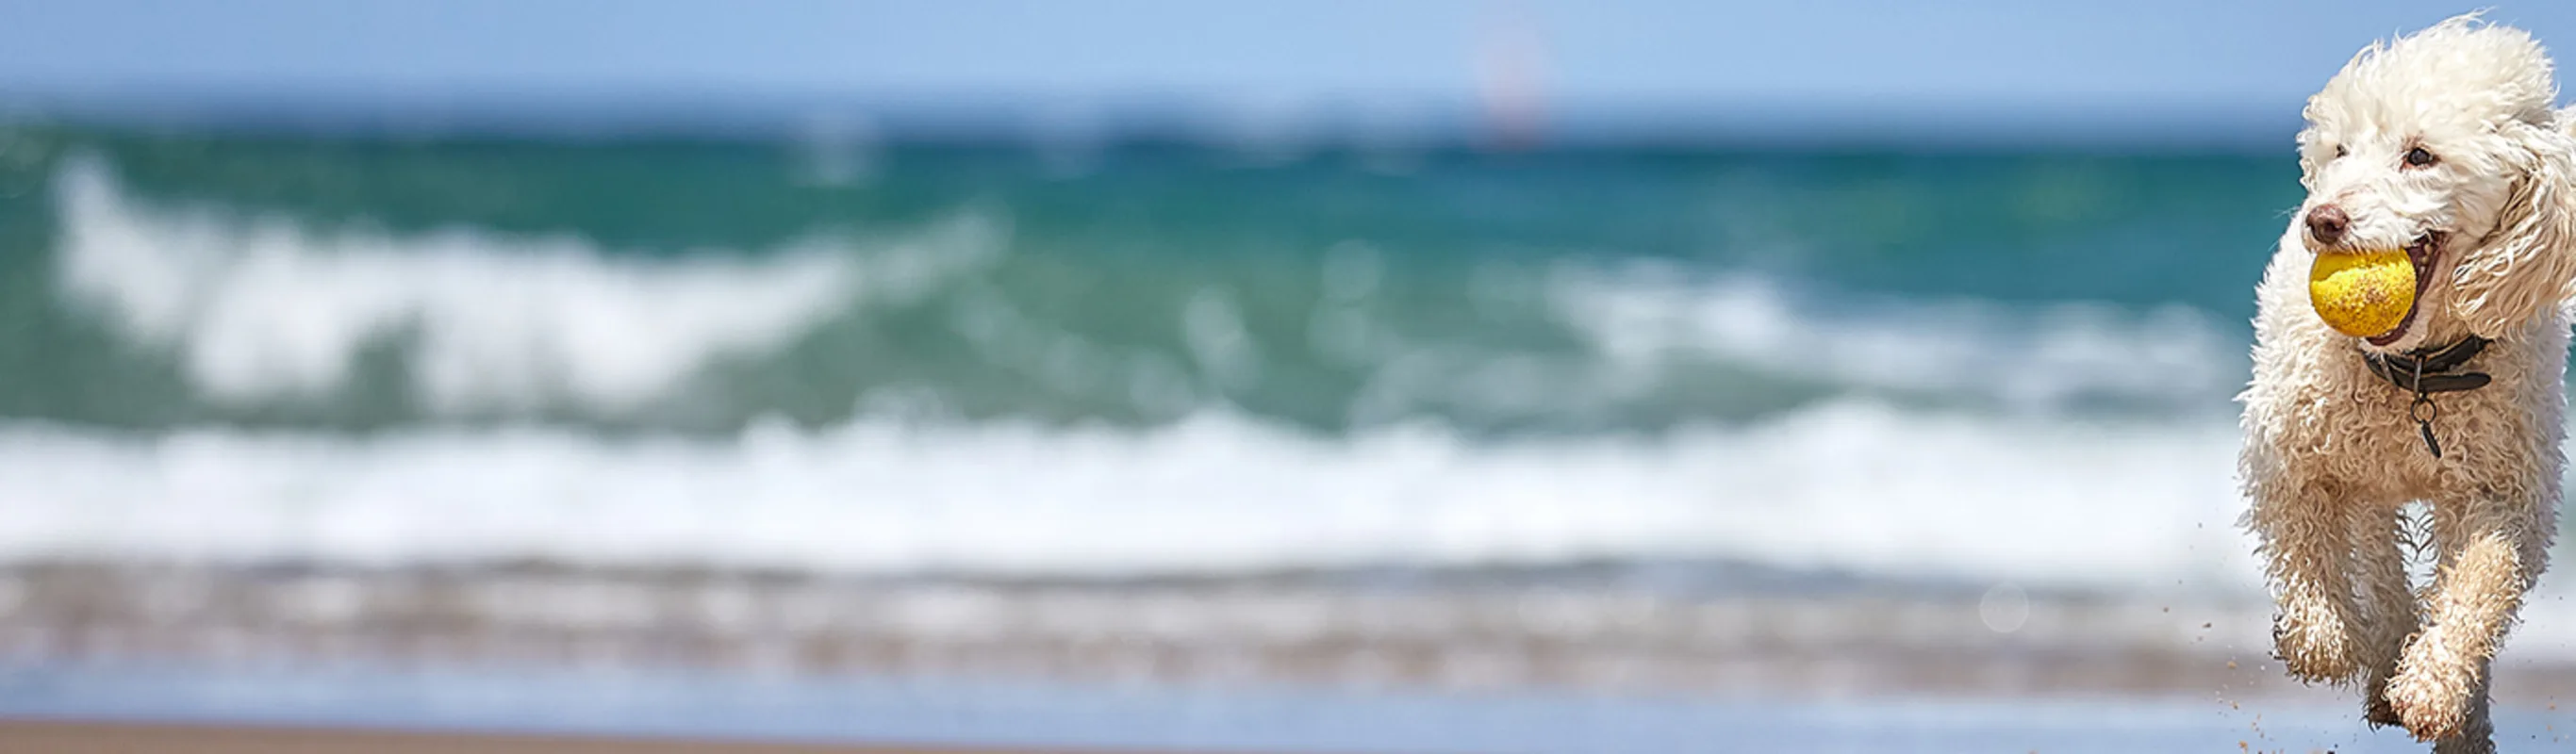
{"x": 2362, "y": 294}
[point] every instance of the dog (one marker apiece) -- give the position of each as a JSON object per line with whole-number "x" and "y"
{"x": 2443, "y": 143}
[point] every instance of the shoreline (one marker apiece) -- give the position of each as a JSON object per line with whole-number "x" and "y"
{"x": 1436, "y": 635}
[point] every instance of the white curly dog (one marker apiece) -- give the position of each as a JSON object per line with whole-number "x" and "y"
{"x": 2443, "y": 143}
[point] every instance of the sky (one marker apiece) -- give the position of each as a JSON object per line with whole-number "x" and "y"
{"x": 1845, "y": 61}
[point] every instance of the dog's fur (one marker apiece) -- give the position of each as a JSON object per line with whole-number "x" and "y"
{"x": 2330, "y": 455}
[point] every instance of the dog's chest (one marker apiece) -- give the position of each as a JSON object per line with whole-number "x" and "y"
{"x": 2375, "y": 433}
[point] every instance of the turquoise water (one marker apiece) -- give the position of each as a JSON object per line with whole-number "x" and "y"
{"x": 1128, "y": 286}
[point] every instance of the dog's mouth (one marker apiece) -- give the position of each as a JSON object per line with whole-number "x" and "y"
{"x": 2422, "y": 253}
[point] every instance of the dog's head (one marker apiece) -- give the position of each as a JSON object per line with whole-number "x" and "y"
{"x": 2444, "y": 143}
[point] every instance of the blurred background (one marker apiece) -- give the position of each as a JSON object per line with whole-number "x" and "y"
{"x": 1324, "y": 376}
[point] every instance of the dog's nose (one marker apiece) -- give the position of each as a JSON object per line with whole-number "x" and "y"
{"x": 2327, "y": 223}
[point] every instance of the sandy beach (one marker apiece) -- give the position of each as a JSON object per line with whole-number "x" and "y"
{"x": 1489, "y": 632}
{"x": 1572, "y": 629}
{"x": 293, "y": 659}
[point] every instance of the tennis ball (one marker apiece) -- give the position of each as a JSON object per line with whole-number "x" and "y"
{"x": 2362, "y": 294}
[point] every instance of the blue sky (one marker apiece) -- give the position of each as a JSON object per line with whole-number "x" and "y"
{"x": 2005, "y": 58}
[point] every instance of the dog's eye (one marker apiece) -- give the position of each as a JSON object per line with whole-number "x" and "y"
{"x": 2417, "y": 157}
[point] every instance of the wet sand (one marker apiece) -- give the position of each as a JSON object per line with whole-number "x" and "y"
{"x": 1479, "y": 632}
{"x": 52, "y": 737}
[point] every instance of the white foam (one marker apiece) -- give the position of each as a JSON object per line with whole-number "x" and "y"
{"x": 1849, "y": 486}
{"x": 2031, "y": 360}
{"x": 260, "y": 309}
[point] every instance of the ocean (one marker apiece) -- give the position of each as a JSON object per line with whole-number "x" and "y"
{"x": 1132, "y": 360}
{"x": 1610, "y": 419}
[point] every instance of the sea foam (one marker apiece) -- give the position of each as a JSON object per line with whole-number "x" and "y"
{"x": 262, "y": 308}
{"x": 1852, "y": 486}
{"x": 2027, "y": 358}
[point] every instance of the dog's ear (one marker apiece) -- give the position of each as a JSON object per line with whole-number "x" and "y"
{"x": 2527, "y": 267}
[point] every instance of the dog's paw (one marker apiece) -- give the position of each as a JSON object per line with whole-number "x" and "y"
{"x": 2431, "y": 704}
{"x": 2467, "y": 744}
{"x": 2314, "y": 646}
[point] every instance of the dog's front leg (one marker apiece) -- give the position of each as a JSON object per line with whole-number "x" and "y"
{"x": 2490, "y": 555}
{"x": 2387, "y": 606}
{"x": 2305, "y": 540}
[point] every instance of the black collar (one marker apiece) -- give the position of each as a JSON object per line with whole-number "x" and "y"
{"x": 2421, "y": 370}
